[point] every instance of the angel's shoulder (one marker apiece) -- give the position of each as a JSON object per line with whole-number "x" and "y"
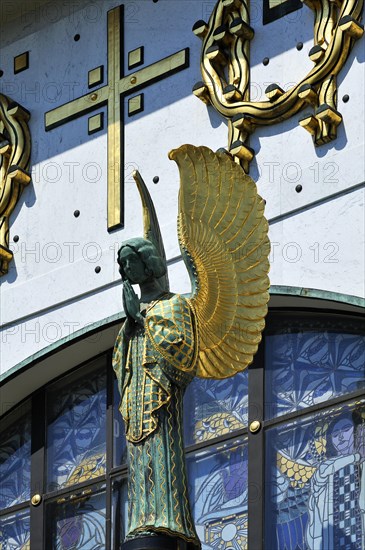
{"x": 179, "y": 301}
{"x": 174, "y": 303}
{"x": 174, "y": 300}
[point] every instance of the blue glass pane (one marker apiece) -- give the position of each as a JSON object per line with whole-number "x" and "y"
{"x": 215, "y": 407}
{"x": 306, "y": 367}
{"x": 15, "y": 531}
{"x": 76, "y": 431}
{"x": 15, "y": 449}
{"x": 78, "y": 524}
{"x": 119, "y": 446}
{"x": 315, "y": 481}
{"x": 218, "y": 496}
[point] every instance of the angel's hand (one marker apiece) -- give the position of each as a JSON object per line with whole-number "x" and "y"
{"x": 131, "y": 303}
{"x": 129, "y": 323}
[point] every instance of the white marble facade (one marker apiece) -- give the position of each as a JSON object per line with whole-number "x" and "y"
{"x": 52, "y": 289}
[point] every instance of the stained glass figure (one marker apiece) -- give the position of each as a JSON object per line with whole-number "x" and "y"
{"x": 304, "y": 367}
{"x": 15, "y": 531}
{"x": 315, "y": 481}
{"x": 218, "y": 488}
{"x": 215, "y": 407}
{"x": 77, "y": 524}
{"x": 15, "y": 453}
{"x": 76, "y": 431}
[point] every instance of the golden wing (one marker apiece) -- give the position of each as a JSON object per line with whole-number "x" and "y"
{"x": 223, "y": 237}
{"x": 298, "y": 472}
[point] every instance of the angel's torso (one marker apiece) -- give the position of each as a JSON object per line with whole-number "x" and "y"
{"x": 160, "y": 363}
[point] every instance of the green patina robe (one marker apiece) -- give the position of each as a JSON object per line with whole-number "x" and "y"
{"x": 154, "y": 367}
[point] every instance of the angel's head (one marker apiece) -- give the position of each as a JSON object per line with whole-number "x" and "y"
{"x": 140, "y": 261}
{"x": 342, "y": 431}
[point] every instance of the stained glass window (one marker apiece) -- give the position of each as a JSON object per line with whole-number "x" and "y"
{"x": 15, "y": 456}
{"x": 77, "y": 524}
{"x": 315, "y": 481}
{"x": 76, "y": 434}
{"x": 306, "y": 367}
{"x": 300, "y": 478}
{"x": 15, "y": 531}
{"x": 218, "y": 486}
{"x": 215, "y": 407}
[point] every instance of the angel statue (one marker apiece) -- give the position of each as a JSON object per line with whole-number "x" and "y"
{"x": 167, "y": 339}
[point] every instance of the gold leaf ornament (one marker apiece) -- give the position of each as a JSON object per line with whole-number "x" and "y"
{"x": 15, "y": 147}
{"x": 223, "y": 236}
{"x": 299, "y": 472}
{"x": 226, "y": 68}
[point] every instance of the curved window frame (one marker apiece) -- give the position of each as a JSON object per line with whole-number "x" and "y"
{"x": 116, "y": 475}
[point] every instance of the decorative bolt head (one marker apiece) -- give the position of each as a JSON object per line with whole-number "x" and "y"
{"x": 133, "y": 80}
{"x": 36, "y": 499}
{"x": 255, "y": 426}
{"x": 93, "y": 97}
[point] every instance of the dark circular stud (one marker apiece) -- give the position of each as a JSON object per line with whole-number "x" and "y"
{"x": 155, "y": 1}
{"x": 77, "y": 213}
{"x": 265, "y": 61}
{"x": 77, "y": 37}
{"x": 156, "y": 179}
{"x": 1, "y": 73}
{"x": 299, "y": 46}
{"x": 16, "y": 238}
{"x": 97, "y": 269}
{"x": 298, "y": 188}
{"x": 345, "y": 98}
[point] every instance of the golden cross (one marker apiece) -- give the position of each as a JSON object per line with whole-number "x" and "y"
{"x": 117, "y": 87}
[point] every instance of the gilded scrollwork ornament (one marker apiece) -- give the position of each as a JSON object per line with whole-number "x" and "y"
{"x": 15, "y": 147}
{"x": 225, "y": 68}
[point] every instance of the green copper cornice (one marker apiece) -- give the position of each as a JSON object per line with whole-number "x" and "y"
{"x": 275, "y": 291}
{"x": 304, "y": 292}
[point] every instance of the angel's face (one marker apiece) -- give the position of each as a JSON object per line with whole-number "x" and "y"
{"x": 343, "y": 437}
{"x": 132, "y": 265}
